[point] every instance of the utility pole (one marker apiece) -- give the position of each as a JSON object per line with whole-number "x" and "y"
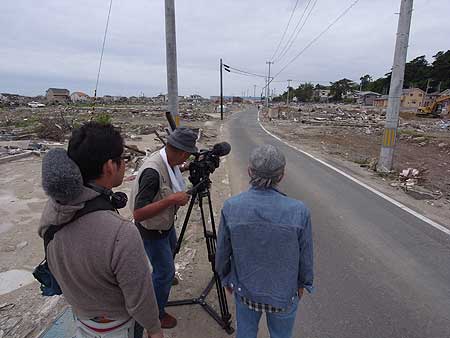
{"x": 254, "y": 91}
{"x": 268, "y": 84}
{"x": 221, "y": 90}
{"x": 288, "y": 90}
{"x": 395, "y": 91}
{"x": 171, "y": 60}
{"x": 426, "y": 91}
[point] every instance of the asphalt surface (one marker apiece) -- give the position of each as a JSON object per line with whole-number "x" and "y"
{"x": 379, "y": 271}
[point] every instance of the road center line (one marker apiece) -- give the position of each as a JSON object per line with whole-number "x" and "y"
{"x": 387, "y": 198}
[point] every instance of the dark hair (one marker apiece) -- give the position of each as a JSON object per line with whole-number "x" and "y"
{"x": 92, "y": 145}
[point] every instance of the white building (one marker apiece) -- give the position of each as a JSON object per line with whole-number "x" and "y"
{"x": 79, "y": 97}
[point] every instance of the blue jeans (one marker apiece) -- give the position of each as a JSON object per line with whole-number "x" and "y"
{"x": 160, "y": 253}
{"x": 280, "y": 324}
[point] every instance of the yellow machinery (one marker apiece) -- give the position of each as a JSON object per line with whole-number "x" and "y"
{"x": 435, "y": 109}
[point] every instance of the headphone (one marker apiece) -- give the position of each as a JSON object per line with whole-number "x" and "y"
{"x": 118, "y": 199}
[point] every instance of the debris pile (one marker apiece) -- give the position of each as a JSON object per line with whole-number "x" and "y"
{"x": 355, "y": 134}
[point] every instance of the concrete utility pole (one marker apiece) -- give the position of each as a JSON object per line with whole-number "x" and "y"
{"x": 171, "y": 60}
{"x": 289, "y": 86}
{"x": 254, "y": 91}
{"x": 268, "y": 84}
{"x": 221, "y": 90}
{"x": 395, "y": 91}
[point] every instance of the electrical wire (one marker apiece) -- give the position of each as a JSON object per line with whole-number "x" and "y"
{"x": 103, "y": 50}
{"x": 285, "y": 30}
{"x": 353, "y": 4}
{"x": 288, "y": 47}
{"x": 295, "y": 29}
{"x": 243, "y": 71}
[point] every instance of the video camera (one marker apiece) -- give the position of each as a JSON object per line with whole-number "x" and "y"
{"x": 206, "y": 161}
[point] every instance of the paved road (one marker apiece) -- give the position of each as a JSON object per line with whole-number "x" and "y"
{"x": 380, "y": 272}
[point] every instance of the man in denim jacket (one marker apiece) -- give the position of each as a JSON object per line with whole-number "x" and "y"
{"x": 265, "y": 249}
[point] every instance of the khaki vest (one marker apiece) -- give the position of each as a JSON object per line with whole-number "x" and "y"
{"x": 165, "y": 219}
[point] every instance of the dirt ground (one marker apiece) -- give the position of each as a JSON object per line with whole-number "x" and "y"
{"x": 354, "y": 134}
{"x": 23, "y": 312}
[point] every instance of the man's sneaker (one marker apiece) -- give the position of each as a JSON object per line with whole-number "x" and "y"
{"x": 168, "y": 321}
{"x": 175, "y": 281}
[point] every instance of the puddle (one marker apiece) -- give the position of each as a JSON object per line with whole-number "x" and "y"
{"x": 13, "y": 279}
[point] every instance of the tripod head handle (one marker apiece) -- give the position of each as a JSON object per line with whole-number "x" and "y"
{"x": 197, "y": 187}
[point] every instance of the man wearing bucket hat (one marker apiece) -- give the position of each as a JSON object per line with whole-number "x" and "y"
{"x": 158, "y": 192}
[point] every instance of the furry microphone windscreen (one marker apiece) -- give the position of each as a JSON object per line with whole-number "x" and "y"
{"x": 61, "y": 177}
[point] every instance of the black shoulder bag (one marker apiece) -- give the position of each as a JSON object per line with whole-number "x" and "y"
{"x": 49, "y": 284}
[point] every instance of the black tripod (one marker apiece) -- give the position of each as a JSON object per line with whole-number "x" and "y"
{"x": 200, "y": 191}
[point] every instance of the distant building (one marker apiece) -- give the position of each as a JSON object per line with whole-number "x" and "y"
{"x": 120, "y": 99}
{"x": 367, "y": 98}
{"x": 351, "y": 95}
{"x": 161, "y": 98}
{"x": 237, "y": 99}
{"x": 107, "y": 99}
{"x": 430, "y": 98}
{"x": 13, "y": 99}
{"x": 196, "y": 98}
{"x": 321, "y": 95}
{"x": 79, "y": 97}
{"x": 412, "y": 98}
{"x": 381, "y": 102}
{"x": 57, "y": 95}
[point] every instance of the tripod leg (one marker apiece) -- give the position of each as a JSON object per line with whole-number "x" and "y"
{"x": 185, "y": 223}
{"x": 211, "y": 239}
{"x": 224, "y": 319}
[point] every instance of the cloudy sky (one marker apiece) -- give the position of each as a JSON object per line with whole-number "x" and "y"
{"x": 56, "y": 43}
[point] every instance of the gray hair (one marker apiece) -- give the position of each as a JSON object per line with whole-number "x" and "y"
{"x": 266, "y": 166}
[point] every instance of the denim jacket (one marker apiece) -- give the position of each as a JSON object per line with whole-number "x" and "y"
{"x": 265, "y": 247}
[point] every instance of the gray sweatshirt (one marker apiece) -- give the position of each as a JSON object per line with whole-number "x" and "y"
{"x": 100, "y": 264}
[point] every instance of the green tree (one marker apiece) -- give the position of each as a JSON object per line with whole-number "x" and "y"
{"x": 365, "y": 82}
{"x": 417, "y": 73}
{"x": 380, "y": 85}
{"x": 304, "y": 92}
{"x": 341, "y": 88}
{"x": 440, "y": 70}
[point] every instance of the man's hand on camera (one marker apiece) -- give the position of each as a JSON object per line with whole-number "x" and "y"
{"x": 179, "y": 198}
{"x": 185, "y": 166}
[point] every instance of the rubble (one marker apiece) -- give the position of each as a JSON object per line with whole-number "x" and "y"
{"x": 25, "y": 132}
{"x": 355, "y": 134}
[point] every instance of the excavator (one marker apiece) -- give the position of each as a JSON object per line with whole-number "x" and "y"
{"x": 435, "y": 109}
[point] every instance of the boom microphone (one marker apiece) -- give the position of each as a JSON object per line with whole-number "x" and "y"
{"x": 171, "y": 121}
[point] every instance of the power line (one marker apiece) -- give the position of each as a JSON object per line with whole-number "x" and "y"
{"x": 244, "y": 74}
{"x": 316, "y": 38}
{"x": 285, "y": 30}
{"x": 295, "y": 29}
{"x": 244, "y": 71}
{"x": 103, "y": 49}
{"x": 288, "y": 47}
